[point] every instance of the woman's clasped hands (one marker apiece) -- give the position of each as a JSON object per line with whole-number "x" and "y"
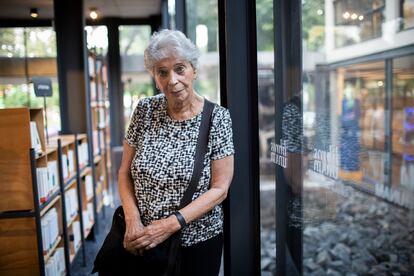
{"x": 138, "y": 237}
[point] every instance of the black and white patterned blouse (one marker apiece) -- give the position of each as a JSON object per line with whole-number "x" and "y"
{"x": 164, "y": 160}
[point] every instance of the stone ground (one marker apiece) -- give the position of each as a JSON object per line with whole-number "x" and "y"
{"x": 350, "y": 233}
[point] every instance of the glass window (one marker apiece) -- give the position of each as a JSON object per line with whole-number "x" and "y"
{"x": 403, "y": 124}
{"x": 408, "y": 13}
{"x": 27, "y": 53}
{"x": 357, "y": 20}
{"x": 137, "y": 82}
{"x": 202, "y": 26}
{"x": 97, "y": 39}
{"x": 358, "y": 191}
{"x": 266, "y": 108}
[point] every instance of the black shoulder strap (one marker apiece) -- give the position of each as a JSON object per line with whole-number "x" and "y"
{"x": 200, "y": 152}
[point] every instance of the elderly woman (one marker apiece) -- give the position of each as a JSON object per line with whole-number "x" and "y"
{"x": 158, "y": 160}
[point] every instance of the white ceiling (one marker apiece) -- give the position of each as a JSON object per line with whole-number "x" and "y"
{"x": 19, "y": 9}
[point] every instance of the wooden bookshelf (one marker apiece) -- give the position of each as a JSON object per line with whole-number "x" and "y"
{"x": 15, "y": 144}
{"x": 100, "y": 127}
{"x": 24, "y": 250}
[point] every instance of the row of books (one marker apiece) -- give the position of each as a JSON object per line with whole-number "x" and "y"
{"x": 71, "y": 204}
{"x": 75, "y": 236}
{"x": 34, "y": 138}
{"x": 68, "y": 164}
{"x": 101, "y": 117}
{"x": 87, "y": 216}
{"x": 83, "y": 154}
{"x": 50, "y": 230}
{"x": 47, "y": 180}
{"x": 88, "y": 186}
{"x": 55, "y": 266}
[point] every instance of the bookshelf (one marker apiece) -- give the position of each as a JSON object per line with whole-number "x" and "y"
{"x": 48, "y": 208}
{"x": 100, "y": 131}
{"x": 32, "y": 238}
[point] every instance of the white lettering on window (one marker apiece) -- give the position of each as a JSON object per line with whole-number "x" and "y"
{"x": 278, "y": 153}
{"x": 326, "y": 162}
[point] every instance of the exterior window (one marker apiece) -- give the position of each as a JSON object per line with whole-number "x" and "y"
{"x": 358, "y": 126}
{"x": 408, "y": 13}
{"x": 202, "y": 26}
{"x": 36, "y": 48}
{"x": 137, "y": 82}
{"x": 357, "y": 21}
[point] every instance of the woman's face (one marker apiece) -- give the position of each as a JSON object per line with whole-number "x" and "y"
{"x": 174, "y": 77}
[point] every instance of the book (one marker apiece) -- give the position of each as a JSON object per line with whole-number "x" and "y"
{"x": 35, "y": 138}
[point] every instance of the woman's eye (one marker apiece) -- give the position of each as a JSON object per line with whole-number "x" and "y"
{"x": 180, "y": 69}
{"x": 162, "y": 73}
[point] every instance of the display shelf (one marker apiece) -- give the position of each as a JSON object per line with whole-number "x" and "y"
{"x": 33, "y": 216}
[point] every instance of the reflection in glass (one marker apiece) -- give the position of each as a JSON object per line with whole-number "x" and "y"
{"x": 358, "y": 194}
{"x": 357, "y": 21}
{"x": 403, "y": 123}
{"x": 267, "y": 143}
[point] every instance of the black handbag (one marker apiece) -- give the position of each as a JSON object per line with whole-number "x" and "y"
{"x": 164, "y": 259}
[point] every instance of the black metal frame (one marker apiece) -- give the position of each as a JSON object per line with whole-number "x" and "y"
{"x": 238, "y": 80}
{"x": 63, "y": 198}
{"x": 37, "y": 212}
{"x": 79, "y": 194}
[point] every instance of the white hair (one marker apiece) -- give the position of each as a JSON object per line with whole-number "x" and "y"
{"x": 170, "y": 43}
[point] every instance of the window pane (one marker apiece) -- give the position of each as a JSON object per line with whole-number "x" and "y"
{"x": 408, "y": 13}
{"x": 27, "y": 53}
{"x": 403, "y": 124}
{"x": 357, "y": 20}
{"x": 266, "y": 108}
{"x": 97, "y": 39}
{"x": 358, "y": 191}
{"x": 137, "y": 82}
{"x": 202, "y": 26}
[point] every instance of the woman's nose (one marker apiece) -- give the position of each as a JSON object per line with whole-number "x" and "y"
{"x": 173, "y": 78}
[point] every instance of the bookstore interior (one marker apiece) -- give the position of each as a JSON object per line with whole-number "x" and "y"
{"x": 321, "y": 96}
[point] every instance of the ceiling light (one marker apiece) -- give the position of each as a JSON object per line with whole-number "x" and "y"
{"x": 346, "y": 15}
{"x": 93, "y": 13}
{"x": 354, "y": 16}
{"x": 361, "y": 17}
{"x": 34, "y": 13}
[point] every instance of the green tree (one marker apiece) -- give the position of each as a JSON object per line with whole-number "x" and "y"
{"x": 264, "y": 25}
{"x": 313, "y": 24}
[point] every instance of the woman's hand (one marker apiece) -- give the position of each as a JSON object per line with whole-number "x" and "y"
{"x": 133, "y": 230}
{"x": 155, "y": 233}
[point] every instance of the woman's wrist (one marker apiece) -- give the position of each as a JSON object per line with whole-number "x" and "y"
{"x": 173, "y": 223}
{"x": 181, "y": 220}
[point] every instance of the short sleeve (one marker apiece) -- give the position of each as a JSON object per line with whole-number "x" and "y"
{"x": 131, "y": 136}
{"x": 221, "y": 134}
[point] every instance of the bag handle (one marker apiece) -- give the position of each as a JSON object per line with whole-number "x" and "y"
{"x": 200, "y": 152}
{"x": 174, "y": 263}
